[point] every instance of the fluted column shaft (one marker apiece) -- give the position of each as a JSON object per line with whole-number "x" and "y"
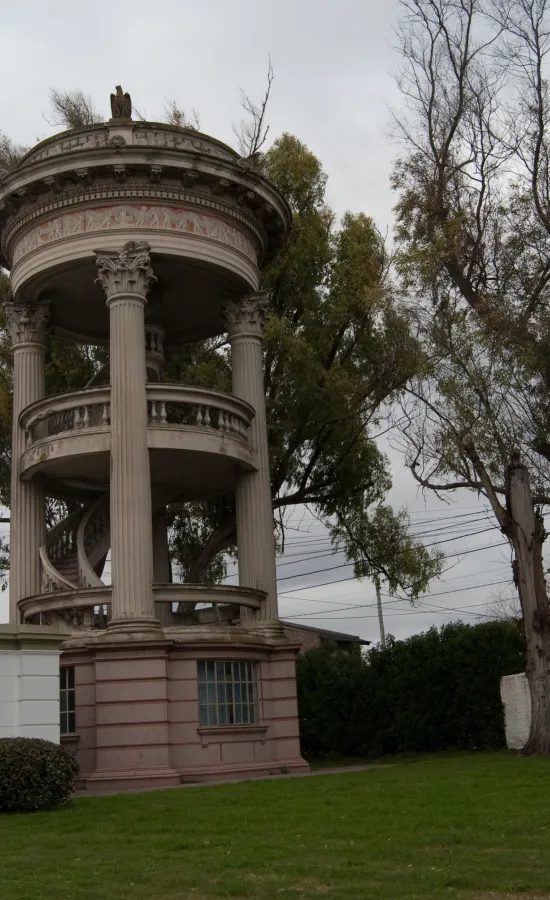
{"x": 27, "y": 518}
{"x": 126, "y": 278}
{"x": 254, "y": 509}
{"x": 27, "y": 327}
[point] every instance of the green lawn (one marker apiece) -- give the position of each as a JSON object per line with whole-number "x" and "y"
{"x": 475, "y": 827}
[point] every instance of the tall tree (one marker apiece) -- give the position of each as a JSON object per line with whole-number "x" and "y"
{"x": 336, "y": 348}
{"x": 473, "y": 230}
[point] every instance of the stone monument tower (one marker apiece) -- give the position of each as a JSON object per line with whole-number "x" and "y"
{"x": 138, "y": 236}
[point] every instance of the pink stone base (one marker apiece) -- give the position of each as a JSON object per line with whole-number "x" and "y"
{"x": 137, "y": 713}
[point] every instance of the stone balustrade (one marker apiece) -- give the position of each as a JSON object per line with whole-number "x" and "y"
{"x": 60, "y": 546}
{"x": 75, "y": 411}
{"x": 154, "y": 339}
{"x": 99, "y": 598}
{"x": 172, "y": 405}
{"x": 169, "y": 405}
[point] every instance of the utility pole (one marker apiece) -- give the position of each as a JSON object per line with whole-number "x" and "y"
{"x": 380, "y": 614}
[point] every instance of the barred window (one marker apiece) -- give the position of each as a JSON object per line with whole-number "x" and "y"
{"x": 66, "y": 700}
{"x": 228, "y": 693}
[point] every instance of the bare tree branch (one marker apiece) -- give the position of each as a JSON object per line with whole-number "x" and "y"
{"x": 73, "y": 109}
{"x": 252, "y": 131}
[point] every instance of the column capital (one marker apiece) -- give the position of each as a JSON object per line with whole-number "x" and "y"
{"x": 126, "y": 271}
{"x": 27, "y": 323}
{"x": 247, "y": 316}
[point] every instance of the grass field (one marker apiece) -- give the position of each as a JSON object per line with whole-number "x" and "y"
{"x": 475, "y": 827}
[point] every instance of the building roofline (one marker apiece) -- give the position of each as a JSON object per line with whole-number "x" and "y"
{"x": 337, "y": 635}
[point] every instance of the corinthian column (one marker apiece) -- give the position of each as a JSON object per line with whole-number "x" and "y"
{"x": 126, "y": 278}
{"x": 27, "y": 327}
{"x": 256, "y": 544}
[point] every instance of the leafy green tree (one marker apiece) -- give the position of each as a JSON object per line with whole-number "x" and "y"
{"x": 336, "y": 348}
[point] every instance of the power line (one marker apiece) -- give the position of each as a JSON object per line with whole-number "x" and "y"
{"x": 500, "y": 569}
{"x": 354, "y": 578}
{"x": 344, "y": 565}
{"x": 405, "y": 600}
{"x": 445, "y": 525}
{"x": 398, "y": 553}
{"x": 447, "y": 529}
{"x": 443, "y": 610}
{"x": 298, "y": 558}
{"x": 438, "y": 515}
{"x": 469, "y": 587}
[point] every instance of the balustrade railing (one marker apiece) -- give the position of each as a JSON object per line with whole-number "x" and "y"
{"x": 174, "y": 405}
{"x": 59, "y": 548}
{"x": 167, "y": 405}
{"x": 77, "y": 411}
{"x": 93, "y": 539}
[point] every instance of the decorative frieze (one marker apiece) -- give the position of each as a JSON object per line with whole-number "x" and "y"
{"x": 27, "y": 323}
{"x": 93, "y": 140}
{"x": 126, "y": 217}
{"x": 127, "y": 271}
{"x": 248, "y": 315}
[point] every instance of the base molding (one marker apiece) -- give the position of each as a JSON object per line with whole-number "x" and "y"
{"x": 246, "y": 771}
{"x": 130, "y": 781}
{"x": 118, "y": 781}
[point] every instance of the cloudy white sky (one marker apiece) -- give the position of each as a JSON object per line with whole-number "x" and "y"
{"x": 333, "y": 61}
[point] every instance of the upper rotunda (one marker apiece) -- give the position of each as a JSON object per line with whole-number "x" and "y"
{"x": 211, "y": 219}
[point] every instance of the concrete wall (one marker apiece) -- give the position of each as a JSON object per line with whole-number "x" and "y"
{"x": 308, "y": 640}
{"x": 516, "y": 699}
{"x": 29, "y": 682}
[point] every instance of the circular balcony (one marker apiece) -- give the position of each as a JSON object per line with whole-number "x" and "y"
{"x": 81, "y": 603}
{"x": 198, "y": 441}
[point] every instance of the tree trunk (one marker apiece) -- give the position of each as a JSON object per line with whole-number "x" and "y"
{"x": 219, "y": 540}
{"x": 526, "y": 531}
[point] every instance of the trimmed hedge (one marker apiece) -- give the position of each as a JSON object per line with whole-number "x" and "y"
{"x": 435, "y": 691}
{"x": 34, "y": 774}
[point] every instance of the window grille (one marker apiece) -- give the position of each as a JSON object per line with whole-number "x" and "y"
{"x": 66, "y": 700}
{"x": 228, "y": 693}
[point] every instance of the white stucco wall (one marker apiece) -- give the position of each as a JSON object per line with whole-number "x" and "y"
{"x": 516, "y": 699}
{"x": 29, "y": 683}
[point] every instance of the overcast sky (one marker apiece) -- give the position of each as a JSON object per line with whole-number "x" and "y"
{"x": 333, "y": 61}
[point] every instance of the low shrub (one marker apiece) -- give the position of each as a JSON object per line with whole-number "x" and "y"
{"x": 34, "y": 774}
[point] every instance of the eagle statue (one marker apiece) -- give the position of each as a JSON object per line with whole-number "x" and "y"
{"x": 121, "y": 104}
